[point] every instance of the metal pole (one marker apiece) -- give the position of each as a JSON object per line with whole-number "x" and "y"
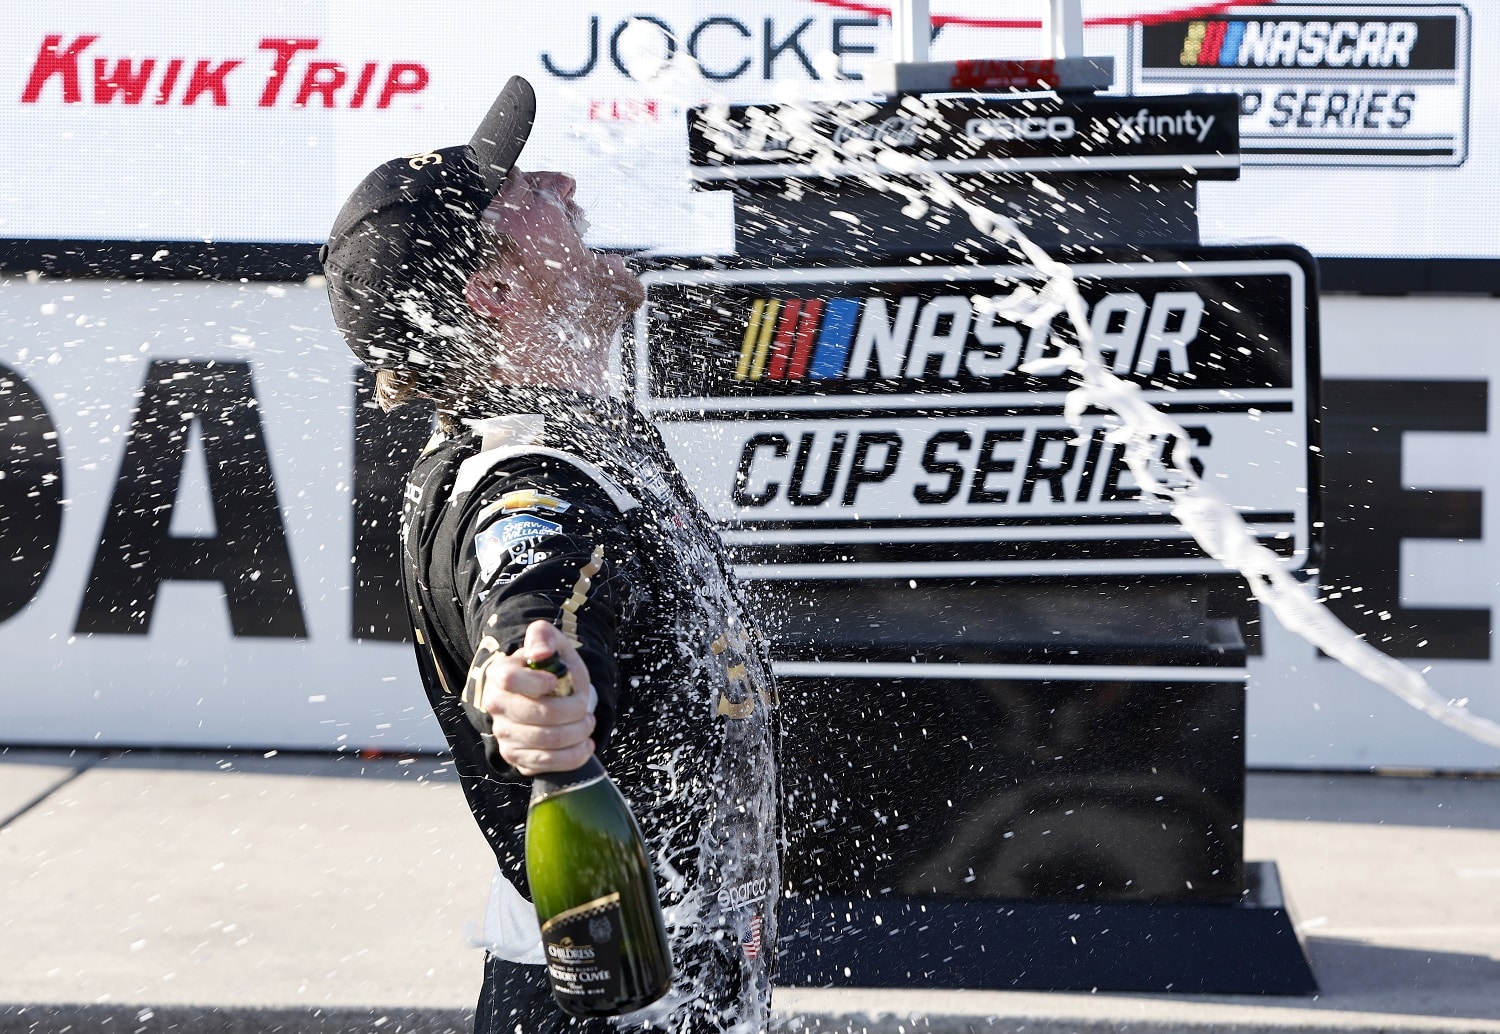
{"x": 1063, "y": 28}
{"x": 911, "y": 29}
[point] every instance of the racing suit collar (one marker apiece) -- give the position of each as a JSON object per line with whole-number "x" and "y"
{"x": 499, "y": 400}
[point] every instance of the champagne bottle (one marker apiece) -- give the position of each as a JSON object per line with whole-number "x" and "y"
{"x": 602, "y": 929}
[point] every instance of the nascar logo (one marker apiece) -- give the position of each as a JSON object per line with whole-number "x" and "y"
{"x": 818, "y": 339}
{"x": 796, "y": 339}
{"x": 1264, "y": 43}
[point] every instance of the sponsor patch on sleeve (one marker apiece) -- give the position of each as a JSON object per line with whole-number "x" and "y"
{"x": 523, "y": 501}
{"x": 513, "y": 540}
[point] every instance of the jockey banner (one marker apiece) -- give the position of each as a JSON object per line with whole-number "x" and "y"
{"x": 1364, "y": 132}
{"x": 189, "y": 562}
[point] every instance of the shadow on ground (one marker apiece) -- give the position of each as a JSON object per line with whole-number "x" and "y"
{"x": 1461, "y": 801}
{"x": 351, "y": 765}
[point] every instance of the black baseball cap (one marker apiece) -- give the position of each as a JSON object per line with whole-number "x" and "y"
{"x": 406, "y": 241}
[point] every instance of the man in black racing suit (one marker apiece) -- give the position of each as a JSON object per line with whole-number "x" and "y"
{"x": 546, "y": 517}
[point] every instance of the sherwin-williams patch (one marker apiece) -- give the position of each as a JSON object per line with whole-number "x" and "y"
{"x": 512, "y": 536}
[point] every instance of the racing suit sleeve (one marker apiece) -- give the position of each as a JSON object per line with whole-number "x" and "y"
{"x": 539, "y": 539}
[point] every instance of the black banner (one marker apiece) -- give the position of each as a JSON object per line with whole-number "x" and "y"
{"x": 1390, "y": 38}
{"x": 1197, "y": 133}
{"x": 800, "y": 334}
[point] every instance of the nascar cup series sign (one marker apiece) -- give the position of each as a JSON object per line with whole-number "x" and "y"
{"x": 876, "y": 421}
{"x": 1324, "y": 84}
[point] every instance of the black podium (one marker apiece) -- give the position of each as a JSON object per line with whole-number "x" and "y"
{"x": 1047, "y": 799}
{"x": 1013, "y": 689}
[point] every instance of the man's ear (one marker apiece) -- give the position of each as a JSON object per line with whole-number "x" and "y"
{"x": 489, "y": 295}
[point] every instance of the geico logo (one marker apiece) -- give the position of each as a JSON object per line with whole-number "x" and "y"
{"x": 912, "y": 338}
{"x": 1055, "y": 127}
{"x": 1271, "y": 43}
{"x": 886, "y": 470}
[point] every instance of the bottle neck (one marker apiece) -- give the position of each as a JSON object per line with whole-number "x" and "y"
{"x": 546, "y": 784}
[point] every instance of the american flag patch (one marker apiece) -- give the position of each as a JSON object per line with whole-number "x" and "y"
{"x": 750, "y": 936}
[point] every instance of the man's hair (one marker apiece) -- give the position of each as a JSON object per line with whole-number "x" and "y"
{"x": 397, "y": 387}
{"x": 457, "y": 370}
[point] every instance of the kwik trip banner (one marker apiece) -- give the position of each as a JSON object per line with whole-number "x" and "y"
{"x": 1363, "y": 130}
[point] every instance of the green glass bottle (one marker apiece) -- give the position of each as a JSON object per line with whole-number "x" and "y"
{"x": 595, "y": 895}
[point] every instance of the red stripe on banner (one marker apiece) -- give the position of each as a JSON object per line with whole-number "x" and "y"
{"x": 1182, "y": 13}
{"x": 807, "y": 329}
{"x": 785, "y": 330}
{"x": 1213, "y": 42}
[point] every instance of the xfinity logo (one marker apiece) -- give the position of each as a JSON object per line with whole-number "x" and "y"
{"x": 1143, "y": 124}
{"x": 1134, "y": 128}
{"x": 1000, "y": 127}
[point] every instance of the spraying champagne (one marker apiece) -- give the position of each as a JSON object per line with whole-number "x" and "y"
{"x": 602, "y": 929}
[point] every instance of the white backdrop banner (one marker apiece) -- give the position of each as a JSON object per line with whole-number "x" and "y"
{"x": 179, "y": 497}
{"x": 177, "y": 471}
{"x": 1410, "y": 475}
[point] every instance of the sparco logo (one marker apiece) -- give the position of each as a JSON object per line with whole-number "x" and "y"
{"x": 743, "y": 894}
{"x": 75, "y": 74}
{"x": 1055, "y": 127}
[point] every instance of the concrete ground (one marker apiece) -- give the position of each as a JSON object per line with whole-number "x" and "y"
{"x": 146, "y": 892}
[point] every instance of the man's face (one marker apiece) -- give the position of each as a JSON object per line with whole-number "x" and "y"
{"x": 540, "y": 228}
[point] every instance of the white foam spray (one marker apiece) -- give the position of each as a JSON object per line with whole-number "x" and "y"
{"x": 1158, "y": 451}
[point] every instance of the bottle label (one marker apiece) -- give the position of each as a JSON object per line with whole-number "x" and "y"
{"x": 583, "y": 952}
